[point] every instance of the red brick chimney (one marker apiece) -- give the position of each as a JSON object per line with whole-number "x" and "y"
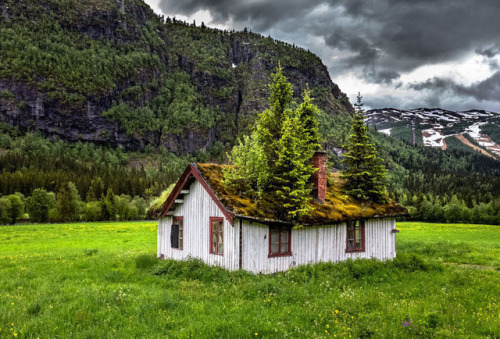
{"x": 320, "y": 176}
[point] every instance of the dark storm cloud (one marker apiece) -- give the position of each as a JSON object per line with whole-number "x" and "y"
{"x": 377, "y": 40}
{"x": 402, "y": 34}
{"x": 493, "y": 65}
{"x": 364, "y": 52}
{"x": 485, "y": 90}
{"x": 261, "y": 14}
{"x": 488, "y": 89}
{"x": 382, "y": 77}
{"x": 489, "y": 52}
{"x": 434, "y": 84}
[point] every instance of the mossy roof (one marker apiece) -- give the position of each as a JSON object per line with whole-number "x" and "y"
{"x": 337, "y": 207}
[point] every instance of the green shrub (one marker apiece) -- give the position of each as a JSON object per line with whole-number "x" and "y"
{"x": 39, "y": 204}
{"x": 4, "y": 210}
{"x": 6, "y": 94}
{"x": 5, "y": 141}
{"x": 92, "y": 211}
{"x": 410, "y": 263}
{"x": 192, "y": 269}
{"x": 144, "y": 261}
{"x": 90, "y": 252}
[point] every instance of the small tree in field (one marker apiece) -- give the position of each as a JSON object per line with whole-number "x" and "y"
{"x": 16, "y": 207}
{"x": 68, "y": 202}
{"x": 39, "y": 204}
{"x": 365, "y": 174}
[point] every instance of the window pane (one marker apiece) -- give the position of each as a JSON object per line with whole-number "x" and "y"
{"x": 275, "y": 235}
{"x": 221, "y": 248}
{"x": 214, "y": 226}
{"x": 358, "y": 234}
{"x": 214, "y": 242}
{"x": 351, "y": 244}
{"x": 274, "y": 241}
{"x": 174, "y": 236}
{"x": 275, "y": 238}
{"x": 275, "y": 247}
{"x": 180, "y": 243}
{"x": 284, "y": 247}
{"x": 284, "y": 236}
{"x": 221, "y": 227}
{"x": 350, "y": 236}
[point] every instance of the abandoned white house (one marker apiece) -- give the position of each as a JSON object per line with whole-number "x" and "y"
{"x": 202, "y": 218}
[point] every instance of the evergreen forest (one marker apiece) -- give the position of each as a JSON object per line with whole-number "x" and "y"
{"x": 435, "y": 185}
{"x": 102, "y": 106}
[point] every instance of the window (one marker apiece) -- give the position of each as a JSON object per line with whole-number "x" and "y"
{"x": 280, "y": 238}
{"x": 217, "y": 235}
{"x": 355, "y": 236}
{"x": 177, "y": 233}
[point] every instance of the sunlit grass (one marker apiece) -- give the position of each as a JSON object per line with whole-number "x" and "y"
{"x": 101, "y": 280}
{"x": 452, "y": 243}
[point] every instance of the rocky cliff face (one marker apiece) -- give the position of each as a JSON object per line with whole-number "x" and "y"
{"x": 112, "y": 72}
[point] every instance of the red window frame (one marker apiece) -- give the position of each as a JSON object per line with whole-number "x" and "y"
{"x": 180, "y": 237}
{"x": 359, "y": 242}
{"x": 215, "y": 248}
{"x": 280, "y": 230}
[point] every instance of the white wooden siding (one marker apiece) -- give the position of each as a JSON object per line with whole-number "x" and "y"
{"x": 318, "y": 244}
{"x": 197, "y": 209}
{"x": 309, "y": 245}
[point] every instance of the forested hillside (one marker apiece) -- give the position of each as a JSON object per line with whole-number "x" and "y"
{"x": 114, "y": 73}
{"x": 106, "y": 103}
{"x": 442, "y": 185}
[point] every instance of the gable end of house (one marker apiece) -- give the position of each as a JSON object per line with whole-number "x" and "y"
{"x": 181, "y": 188}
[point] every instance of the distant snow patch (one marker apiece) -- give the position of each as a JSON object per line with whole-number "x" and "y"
{"x": 474, "y": 130}
{"x": 386, "y": 131}
{"x": 432, "y": 138}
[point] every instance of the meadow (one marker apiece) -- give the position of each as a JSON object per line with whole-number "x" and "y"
{"x": 100, "y": 280}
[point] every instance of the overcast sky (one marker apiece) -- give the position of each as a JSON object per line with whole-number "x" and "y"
{"x": 397, "y": 53}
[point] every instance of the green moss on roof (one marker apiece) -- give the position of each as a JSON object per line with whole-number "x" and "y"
{"x": 336, "y": 209}
{"x": 156, "y": 208}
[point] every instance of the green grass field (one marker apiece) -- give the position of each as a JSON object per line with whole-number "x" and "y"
{"x": 99, "y": 280}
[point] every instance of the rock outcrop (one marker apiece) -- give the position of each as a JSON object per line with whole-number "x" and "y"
{"x": 229, "y": 71}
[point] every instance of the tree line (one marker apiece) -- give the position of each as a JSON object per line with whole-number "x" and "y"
{"x": 427, "y": 207}
{"x": 66, "y": 205}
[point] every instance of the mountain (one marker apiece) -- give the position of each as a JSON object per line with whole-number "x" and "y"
{"x": 435, "y": 127}
{"x": 114, "y": 73}
{"x": 113, "y": 98}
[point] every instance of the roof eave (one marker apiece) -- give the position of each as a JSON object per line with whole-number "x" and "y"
{"x": 268, "y": 221}
{"x": 192, "y": 170}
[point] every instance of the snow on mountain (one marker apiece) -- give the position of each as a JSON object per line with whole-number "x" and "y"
{"x": 436, "y": 124}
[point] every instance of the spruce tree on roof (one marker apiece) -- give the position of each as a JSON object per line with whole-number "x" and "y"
{"x": 290, "y": 181}
{"x": 270, "y": 122}
{"x": 274, "y": 163}
{"x": 365, "y": 174}
{"x": 307, "y": 114}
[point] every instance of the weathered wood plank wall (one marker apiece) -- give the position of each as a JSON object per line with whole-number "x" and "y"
{"x": 197, "y": 209}
{"x": 318, "y": 244}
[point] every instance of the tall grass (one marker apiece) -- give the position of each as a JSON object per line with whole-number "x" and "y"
{"x": 103, "y": 280}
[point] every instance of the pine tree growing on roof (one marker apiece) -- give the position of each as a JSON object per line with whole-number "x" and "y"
{"x": 293, "y": 169}
{"x": 276, "y": 159}
{"x": 365, "y": 174}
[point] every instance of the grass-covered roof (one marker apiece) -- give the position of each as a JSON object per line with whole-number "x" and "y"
{"x": 335, "y": 209}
